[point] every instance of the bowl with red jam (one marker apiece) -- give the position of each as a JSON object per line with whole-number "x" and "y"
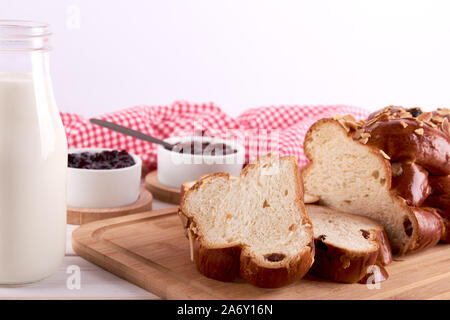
{"x": 192, "y": 157}
{"x": 102, "y": 178}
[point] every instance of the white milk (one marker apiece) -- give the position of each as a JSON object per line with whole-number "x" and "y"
{"x": 33, "y": 164}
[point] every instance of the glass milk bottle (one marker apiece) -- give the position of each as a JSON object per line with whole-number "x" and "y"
{"x": 33, "y": 157}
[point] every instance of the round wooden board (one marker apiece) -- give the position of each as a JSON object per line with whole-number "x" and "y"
{"x": 84, "y": 215}
{"x": 160, "y": 191}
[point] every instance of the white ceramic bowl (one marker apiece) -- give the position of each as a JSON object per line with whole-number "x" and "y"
{"x": 174, "y": 168}
{"x": 93, "y": 188}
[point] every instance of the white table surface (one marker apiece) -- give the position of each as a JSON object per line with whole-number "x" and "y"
{"x": 95, "y": 283}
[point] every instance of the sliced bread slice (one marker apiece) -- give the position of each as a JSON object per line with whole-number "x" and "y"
{"x": 254, "y": 226}
{"x": 354, "y": 177}
{"x": 348, "y": 247}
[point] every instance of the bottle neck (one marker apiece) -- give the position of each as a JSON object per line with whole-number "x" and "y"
{"x": 24, "y": 47}
{"x": 24, "y": 36}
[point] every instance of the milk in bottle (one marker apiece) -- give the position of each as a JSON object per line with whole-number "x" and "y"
{"x": 33, "y": 158}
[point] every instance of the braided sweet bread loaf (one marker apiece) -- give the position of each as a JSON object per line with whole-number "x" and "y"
{"x": 394, "y": 167}
{"x": 418, "y": 145}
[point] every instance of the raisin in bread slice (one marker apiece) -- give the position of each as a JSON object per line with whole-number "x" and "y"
{"x": 254, "y": 226}
{"x": 348, "y": 247}
{"x": 351, "y": 176}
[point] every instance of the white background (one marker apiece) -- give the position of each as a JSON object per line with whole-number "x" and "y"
{"x": 110, "y": 55}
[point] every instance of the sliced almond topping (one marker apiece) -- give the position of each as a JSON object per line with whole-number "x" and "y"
{"x": 443, "y": 112}
{"x": 352, "y": 124}
{"x": 363, "y": 140}
{"x": 371, "y": 121}
{"x": 374, "y": 126}
{"x": 385, "y": 155}
{"x": 404, "y": 124}
{"x": 349, "y": 117}
{"x": 425, "y": 116}
{"x": 419, "y": 131}
{"x": 446, "y": 126}
{"x": 365, "y": 135}
{"x": 342, "y": 122}
{"x": 437, "y": 119}
{"x": 404, "y": 115}
{"x": 431, "y": 124}
{"x": 337, "y": 117}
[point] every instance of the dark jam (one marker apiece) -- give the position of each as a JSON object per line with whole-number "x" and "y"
{"x": 203, "y": 148}
{"x": 103, "y": 160}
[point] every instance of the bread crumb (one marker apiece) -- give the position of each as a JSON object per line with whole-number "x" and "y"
{"x": 191, "y": 244}
{"x": 345, "y": 262}
{"x": 419, "y": 131}
{"x": 291, "y": 227}
{"x": 228, "y": 216}
{"x": 385, "y": 155}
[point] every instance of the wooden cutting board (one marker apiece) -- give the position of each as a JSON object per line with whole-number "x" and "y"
{"x": 150, "y": 250}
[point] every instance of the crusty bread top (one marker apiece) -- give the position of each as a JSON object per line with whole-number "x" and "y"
{"x": 261, "y": 211}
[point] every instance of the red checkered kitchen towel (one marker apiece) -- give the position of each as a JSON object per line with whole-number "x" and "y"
{"x": 279, "y": 129}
